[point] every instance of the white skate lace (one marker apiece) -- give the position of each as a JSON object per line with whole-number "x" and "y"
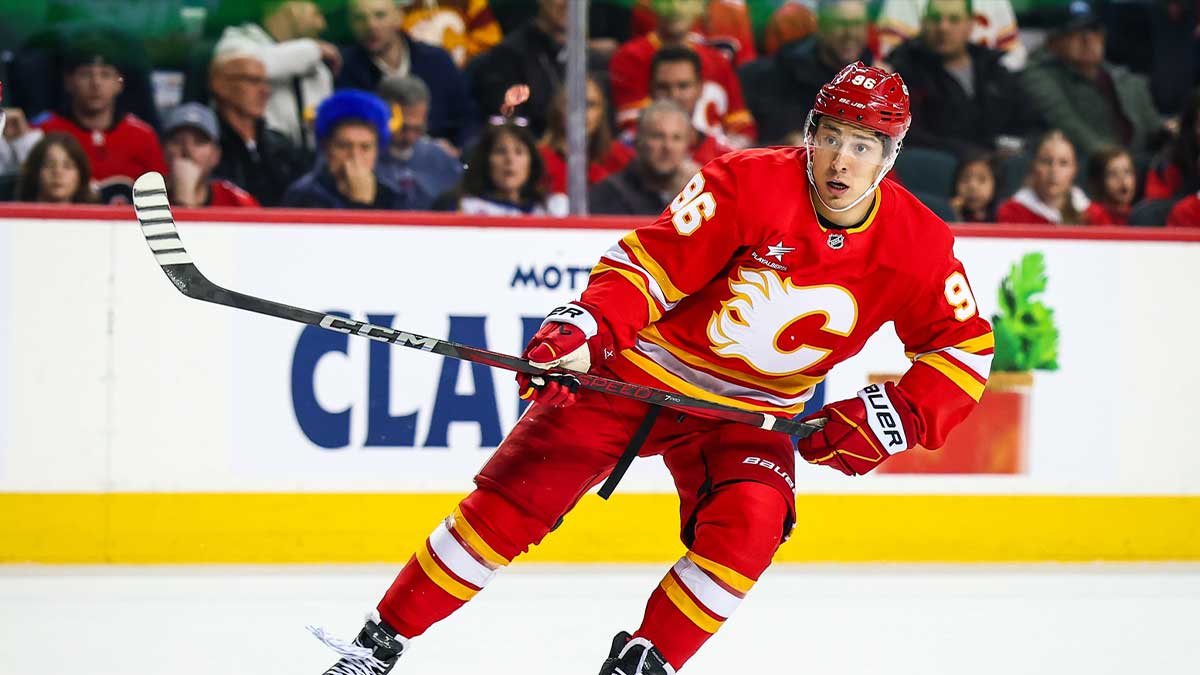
{"x": 356, "y": 659}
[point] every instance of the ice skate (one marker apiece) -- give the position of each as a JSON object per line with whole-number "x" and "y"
{"x": 373, "y": 652}
{"x": 634, "y": 657}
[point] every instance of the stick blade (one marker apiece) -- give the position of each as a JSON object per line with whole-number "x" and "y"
{"x": 158, "y": 225}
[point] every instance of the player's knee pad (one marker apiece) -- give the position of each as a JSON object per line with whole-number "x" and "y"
{"x": 741, "y": 525}
{"x": 500, "y": 522}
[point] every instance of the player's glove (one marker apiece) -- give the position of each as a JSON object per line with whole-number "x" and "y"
{"x": 860, "y": 433}
{"x": 571, "y": 339}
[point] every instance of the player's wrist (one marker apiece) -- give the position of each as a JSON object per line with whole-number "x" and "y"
{"x": 576, "y": 315}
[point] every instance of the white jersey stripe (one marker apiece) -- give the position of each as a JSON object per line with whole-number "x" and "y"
{"x": 715, "y": 598}
{"x": 714, "y": 384}
{"x": 980, "y": 364}
{"x": 618, "y": 254}
{"x": 455, "y": 557}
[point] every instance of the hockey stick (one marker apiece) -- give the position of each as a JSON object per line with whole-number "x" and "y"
{"x": 158, "y": 227}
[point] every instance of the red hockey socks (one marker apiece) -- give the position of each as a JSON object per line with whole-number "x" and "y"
{"x": 462, "y": 555}
{"x": 738, "y": 531}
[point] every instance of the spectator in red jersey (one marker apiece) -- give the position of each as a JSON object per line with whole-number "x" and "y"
{"x": 1177, "y": 172}
{"x": 1051, "y": 196}
{"x": 974, "y": 189}
{"x": 190, "y": 144}
{"x": 605, "y": 155}
{"x": 1186, "y": 213}
{"x": 660, "y": 170}
{"x": 119, "y": 146}
{"x": 56, "y": 171}
{"x": 719, "y": 110}
{"x": 1112, "y": 185}
{"x": 675, "y": 76}
{"x": 723, "y": 24}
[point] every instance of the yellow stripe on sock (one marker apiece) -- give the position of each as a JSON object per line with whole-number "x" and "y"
{"x": 439, "y": 576}
{"x": 468, "y": 533}
{"x": 688, "y": 606}
{"x": 739, "y": 582}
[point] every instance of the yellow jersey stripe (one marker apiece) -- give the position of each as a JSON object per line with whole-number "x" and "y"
{"x": 672, "y": 293}
{"x": 638, "y": 282}
{"x": 965, "y": 381}
{"x": 973, "y": 345}
{"x": 684, "y": 387}
{"x": 690, "y": 609}
{"x": 439, "y": 576}
{"x": 866, "y": 223}
{"x": 792, "y": 385}
{"x": 733, "y": 579}
{"x": 469, "y": 535}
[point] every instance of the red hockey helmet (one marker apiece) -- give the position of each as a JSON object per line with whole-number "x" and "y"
{"x": 867, "y": 96}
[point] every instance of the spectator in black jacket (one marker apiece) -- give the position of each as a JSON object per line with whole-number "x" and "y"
{"x": 351, "y": 126}
{"x": 259, "y": 160}
{"x": 662, "y": 166}
{"x": 382, "y": 45}
{"x": 962, "y": 97}
{"x": 532, "y": 55}
{"x": 780, "y": 89}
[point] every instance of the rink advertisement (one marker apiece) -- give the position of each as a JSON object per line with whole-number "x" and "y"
{"x": 213, "y": 419}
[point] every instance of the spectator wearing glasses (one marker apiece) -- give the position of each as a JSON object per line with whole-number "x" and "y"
{"x": 962, "y": 96}
{"x": 780, "y": 89}
{"x": 351, "y": 126}
{"x": 413, "y": 164}
{"x": 504, "y": 177}
{"x": 190, "y": 144}
{"x": 300, "y": 67}
{"x": 605, "y": 155}
{"x": 661, "y": 169}
{"x": 257, "y": 159}
{"x": 382, "y": 48}
{"x": 56, "y": 172}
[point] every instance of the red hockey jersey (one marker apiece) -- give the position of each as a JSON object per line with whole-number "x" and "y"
{"x": 122, "y": 153}
{"x": 738, "y": 294}
{"x": 721, "y": 109}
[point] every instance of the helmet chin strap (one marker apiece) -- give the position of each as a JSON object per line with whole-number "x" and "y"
{"x": 874, "y": 184}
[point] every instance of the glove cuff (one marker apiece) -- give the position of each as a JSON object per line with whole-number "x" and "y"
{"x": 576, "y": 315}
{"x": 884, "y": 419}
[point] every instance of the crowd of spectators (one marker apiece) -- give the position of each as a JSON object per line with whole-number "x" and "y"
{"x": 1024, "y": 111}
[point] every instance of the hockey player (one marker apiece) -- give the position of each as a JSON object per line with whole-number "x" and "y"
{"x": 769, "y": 268}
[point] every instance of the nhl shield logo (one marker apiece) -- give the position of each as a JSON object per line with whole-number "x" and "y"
{"x": 836, "y": 240}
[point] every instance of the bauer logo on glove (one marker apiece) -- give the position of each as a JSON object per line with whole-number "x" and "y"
{"x": 570, "y": 339}
{"x": 859, "y": 433}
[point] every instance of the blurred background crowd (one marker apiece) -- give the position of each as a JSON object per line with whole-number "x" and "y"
{"x": 1024, "y": 111}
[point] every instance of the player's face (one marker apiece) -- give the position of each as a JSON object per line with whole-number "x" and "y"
{"x": 842, "y": 31}
{"x": 351, "y": 143}
{"x": 509, "y": 164}
{"x": 192, "y": 144}
{"x": 677, "y": 81}
{"x": 375, "y": 23}
{"x": 946, "y": 27}
{"x": 846, "y": 159}
{"x": 976, "y": 185}
{"x": 663, "y": 142}
{"x": 94, "y": 88}
{"x": 1053, "y": 170}
{"x": 1120, "y": 181}
{"x": 58, "y": 179}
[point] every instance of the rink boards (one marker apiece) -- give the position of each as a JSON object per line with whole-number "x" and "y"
{"x": 137, "y": 425}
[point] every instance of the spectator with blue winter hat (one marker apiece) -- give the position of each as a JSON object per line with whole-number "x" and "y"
{"x": 351, "y": 127}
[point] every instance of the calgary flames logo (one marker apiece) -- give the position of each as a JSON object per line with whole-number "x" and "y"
{"x": 759, "y": 323}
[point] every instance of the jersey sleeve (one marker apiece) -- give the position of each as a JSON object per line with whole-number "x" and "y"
{"x": 950, "y": 347}
{"x": 737, "y": 121}
{"x": 650, "y": 270}
{"x": 629, "y": 81}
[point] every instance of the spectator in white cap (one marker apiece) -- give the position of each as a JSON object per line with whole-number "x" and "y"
{"x": 191, "y": 146}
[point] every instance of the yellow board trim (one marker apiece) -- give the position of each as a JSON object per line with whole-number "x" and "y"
{"x": 439, "y": 576}
{"x": 305, "y": 528}
{"x": 688, "y": 607}
{"x": 732, "y": 578}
